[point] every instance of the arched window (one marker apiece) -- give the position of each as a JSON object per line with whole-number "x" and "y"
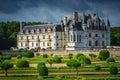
{"x": 80, "y": 38}
{"x": 74, "y": 37}
{"x": 71, "y": 37}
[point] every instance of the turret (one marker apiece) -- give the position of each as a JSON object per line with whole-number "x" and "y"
{"x": 75, "y": 17}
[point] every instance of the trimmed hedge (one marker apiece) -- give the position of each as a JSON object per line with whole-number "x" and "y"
{"x": 22, "y": 64}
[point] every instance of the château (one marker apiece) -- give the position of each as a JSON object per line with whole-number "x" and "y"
{"x": 78, "y": 32}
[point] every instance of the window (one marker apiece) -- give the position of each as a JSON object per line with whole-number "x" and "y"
{"x": 32, "y": 44}
{"x": 74, "y": 37}
{"x": 96, "y": 35}
{"x": 80, "y": 38}
{"x": 103, "y": 43}
{"x": 43, "y": 43}
{"x": 89, "y": 34}
{"x": 102, "y": 35}
{"x": 21, "y": 37}
{"x": 43, "y": 36}
{"x": 36, "y": 44}
{"x": 96, "y": 43}
{"x": 71, "y": 37}
{"x": 47, "y": 44}
{"x": 32, "y": 37}
{"x": 56, "y": 36}
{"x": 21, "y": 44}
{"x": 49, "y": 36}
{"x": 25, "y": 44}
{"x": 90, "y": 43}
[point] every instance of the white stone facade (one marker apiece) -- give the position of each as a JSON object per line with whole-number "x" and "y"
{"x": 79, "y": 32}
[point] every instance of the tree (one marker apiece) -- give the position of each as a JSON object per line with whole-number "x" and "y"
{"x": 103, "y": 54}
{"x": 5, "y": 65}
{"x": 29, "y": 54}
{"x": 42, "y": 69}
{"x": 50, "y": 61}
{"x": 19, "y": 56}
{"x": 97, "y": 68}
{"x": 110, "y": 59}
{"x": 57, "y": 59}
{"x": 70, "y": 55}
{"x": 73, "y": 63}
{"x": 22, "y": 64}
{"x": 79, "y": 54}
{"x": 113, "y": 70}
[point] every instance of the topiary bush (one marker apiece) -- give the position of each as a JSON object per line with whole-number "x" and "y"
{"x": 103, "y": 54}
{"x": 22, "y": 64}
{"x": 29, "y": 54}
{"x": 57, "y": 59}
{"x": 92, "y": 55}
{"x": 84, "y": 60}
{"x": 110, "y": 59}
{"x": 37, "y": 54}
{"x": 79, "y": 54}
{"x": 70, "y": 55}
{"x": 97, "y": 68}
{"x": 87, "y": 61}
{"x": 45, "y": 56}
{"x": 19, "y": 56}
{"x": 42, "y": 69}
{"x": 113, "y": 70}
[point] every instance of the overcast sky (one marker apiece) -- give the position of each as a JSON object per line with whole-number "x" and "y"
{"x": 54, "y": 10}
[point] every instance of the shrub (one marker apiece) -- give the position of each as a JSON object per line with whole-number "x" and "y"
{"x": 41, "y": 63}
{"x": 70, "y": 55}
{"x": 29, "y": 54}
{"x": 19, "y": 56}
{"x": 79, "y": 54}
{"x": 57, "y": 59}
{"x": 92, "y": 55}
{"x": 110, "y": 60}
{"x": 37, "y": 54}
{"x": 103, "y": 54}
{"x": 0, "y": 53}
{"x": 42, "y": 69}
{"x": 7, "y": 57}
{"x": 87, "y": 61}
{"x": 45, "y": 56}
{"x": 113, "y": 70}
{"x": 97, "y": 68}
{"x": 22, "y": 64}
{"x": 84, "y": 60}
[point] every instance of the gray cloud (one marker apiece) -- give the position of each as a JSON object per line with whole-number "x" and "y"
{"x": 53, "y": 10}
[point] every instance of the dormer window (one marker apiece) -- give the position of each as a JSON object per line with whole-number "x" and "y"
{"x": 32, "y": 31}
{"x": 37, "y": 31}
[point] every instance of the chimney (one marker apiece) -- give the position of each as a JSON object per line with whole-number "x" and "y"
{"x": 21, "y": 27}
{"x": 65, "y": 20}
